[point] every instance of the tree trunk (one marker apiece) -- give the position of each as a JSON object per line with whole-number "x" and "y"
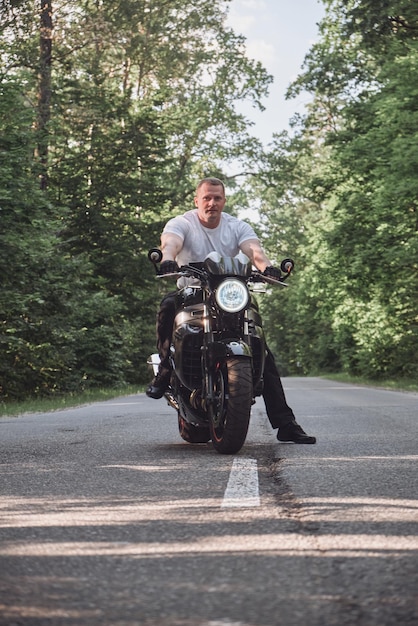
{"x": 44, "y": 95}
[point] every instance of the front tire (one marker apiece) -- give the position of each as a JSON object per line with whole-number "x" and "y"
{"x": 230, "y": 414}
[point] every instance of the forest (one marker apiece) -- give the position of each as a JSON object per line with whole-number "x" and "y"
{"x": 111, "y": 111}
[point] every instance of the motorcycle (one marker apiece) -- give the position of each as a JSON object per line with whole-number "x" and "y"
{"x": 218, "y": 348}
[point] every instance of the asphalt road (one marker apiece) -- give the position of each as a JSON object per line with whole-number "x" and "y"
{"x": 108, "y": 518}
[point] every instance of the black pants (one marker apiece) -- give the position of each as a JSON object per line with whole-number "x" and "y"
{"x": 277, "y": 409}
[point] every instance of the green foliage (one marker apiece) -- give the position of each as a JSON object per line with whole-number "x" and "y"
{"x": 26, "y": 246}
{"x": 138, "y": 112}
{"x": 132, "y": 113}
{"x": 353, "y": 198}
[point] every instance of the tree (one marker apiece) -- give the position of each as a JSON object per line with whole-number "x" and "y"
{"x": 44, "y": 89}
{"x": 126, "y": 113}
{"x": 365, "y": 240}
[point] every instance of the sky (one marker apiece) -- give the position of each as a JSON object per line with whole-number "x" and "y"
{"x": 279, "y": 33}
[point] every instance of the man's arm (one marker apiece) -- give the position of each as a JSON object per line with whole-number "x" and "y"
{"x": 252, "y": 248}
{"x": 171, "y": 245}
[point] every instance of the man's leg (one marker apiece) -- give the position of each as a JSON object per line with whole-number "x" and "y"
{"x": 278, "y": 411}
{"x": 165, "y": 320}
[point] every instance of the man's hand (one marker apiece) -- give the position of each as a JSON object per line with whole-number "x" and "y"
{"x": 168, "y": 267}
{"x": 272, "y": 272}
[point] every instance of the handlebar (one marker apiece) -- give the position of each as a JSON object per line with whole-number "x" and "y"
{"x": 192, "y": 272}
{"x": 155, "y": 255}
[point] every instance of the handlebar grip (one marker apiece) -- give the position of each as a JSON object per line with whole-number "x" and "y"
{"x": 155, "y": 255}
{"x": 287, "y": 265}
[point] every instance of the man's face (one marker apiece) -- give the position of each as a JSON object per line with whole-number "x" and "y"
{"x": 210, "y": 201}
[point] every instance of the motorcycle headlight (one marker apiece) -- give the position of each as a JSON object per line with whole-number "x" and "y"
{"x": 232, "y": 295}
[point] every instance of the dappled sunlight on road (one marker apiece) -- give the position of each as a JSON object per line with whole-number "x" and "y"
{"x": 288, "y": 544}
{"x": 347, "y": 509}
{"x": 328, "y": 527}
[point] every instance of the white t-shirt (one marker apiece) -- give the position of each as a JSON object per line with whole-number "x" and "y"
{"x": 198, "y": 241}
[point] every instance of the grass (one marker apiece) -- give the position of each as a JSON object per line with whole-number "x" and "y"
{"x": 394, "y": 385}
{"x": 65, "y": 401}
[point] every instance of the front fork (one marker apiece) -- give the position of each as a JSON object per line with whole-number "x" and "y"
{"x": 214, "y": 353}
{"x": 207, "y": 390}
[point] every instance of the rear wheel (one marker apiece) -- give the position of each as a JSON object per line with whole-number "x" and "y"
{"x": 193, "y": 434}
{"x": 230, "y": 414}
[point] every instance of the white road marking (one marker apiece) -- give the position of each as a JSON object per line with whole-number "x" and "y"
{"x": 242, "y": 488}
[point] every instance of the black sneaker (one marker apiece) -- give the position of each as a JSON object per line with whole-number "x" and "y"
{"x": 158, "y": 386}
{"x": 292, "y": 432}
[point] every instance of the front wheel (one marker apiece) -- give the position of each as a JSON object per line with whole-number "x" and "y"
{"x": 230, "y": 412}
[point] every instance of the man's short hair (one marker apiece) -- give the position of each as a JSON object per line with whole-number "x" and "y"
{"x": 211, "y": 181}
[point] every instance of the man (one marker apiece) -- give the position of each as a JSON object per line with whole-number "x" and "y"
{"x": 188, "y": 239}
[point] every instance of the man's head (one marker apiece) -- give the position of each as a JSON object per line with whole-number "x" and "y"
{"x": 210, "y": 201}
